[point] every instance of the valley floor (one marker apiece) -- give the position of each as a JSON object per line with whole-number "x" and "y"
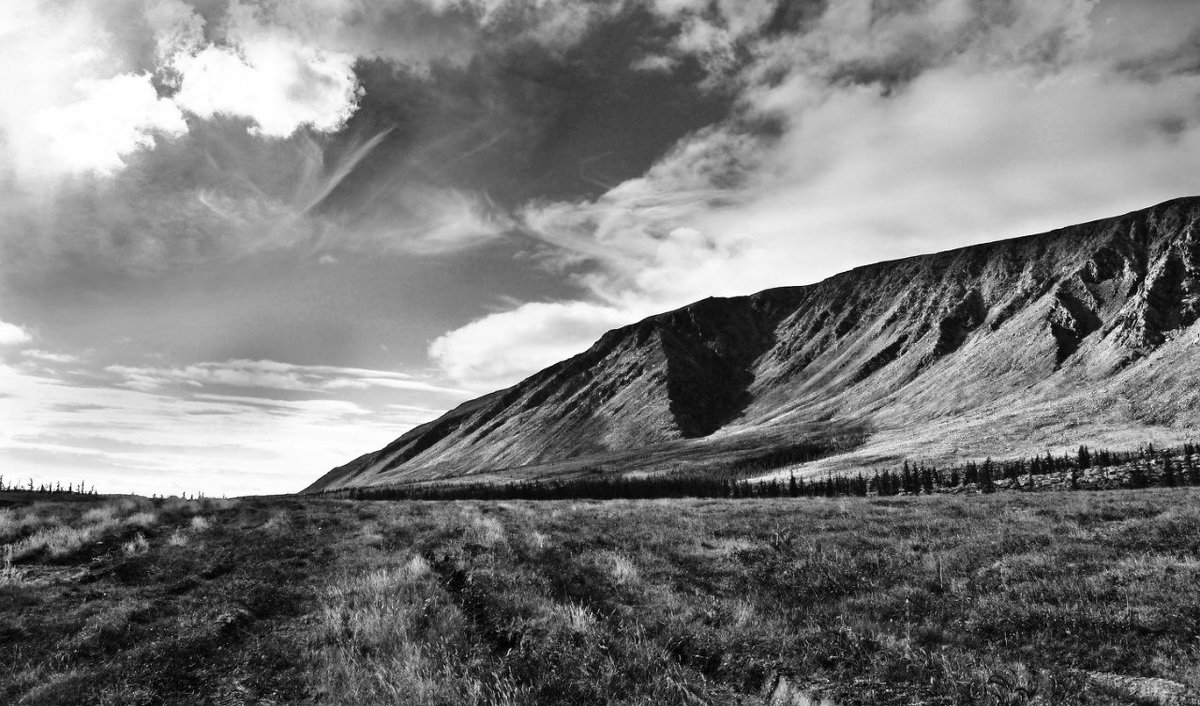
{"x": 1056, "y": 598}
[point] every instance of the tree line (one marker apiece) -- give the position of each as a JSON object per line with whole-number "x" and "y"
{"x": 56, "y": 488}
{"x": 1142, "y": 468}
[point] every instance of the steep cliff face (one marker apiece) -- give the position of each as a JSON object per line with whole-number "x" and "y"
{"x": 1087, "y": 333}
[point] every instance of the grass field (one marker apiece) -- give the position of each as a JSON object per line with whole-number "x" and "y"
{"x": 1056, "y": 598}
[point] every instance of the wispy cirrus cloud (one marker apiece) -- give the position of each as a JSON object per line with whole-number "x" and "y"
{"x": 55, "y": 357}
{"x": 134, "y": 430}
{"x": 269, "y": 375}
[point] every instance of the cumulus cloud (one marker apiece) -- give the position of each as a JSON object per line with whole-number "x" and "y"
{"x": 269, "y": 75}
{"x": 111, "y": 119}
{"x": 72, "y": 103}
{"x": 500, "y": 349}
{"x": 12, "y": 334}
{"x": 86, "y": 93}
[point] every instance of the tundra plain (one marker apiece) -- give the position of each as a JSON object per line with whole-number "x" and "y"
{"x": 1009, "y": 598}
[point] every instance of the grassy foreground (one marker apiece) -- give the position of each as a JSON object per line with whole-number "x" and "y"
{"x": 1055, "y": 598}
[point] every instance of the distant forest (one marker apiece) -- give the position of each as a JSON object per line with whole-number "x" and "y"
{"x": 1083, "y": 470}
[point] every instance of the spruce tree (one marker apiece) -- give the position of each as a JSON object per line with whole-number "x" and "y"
{"x": 985, "y": 477}
{"x": 1138, "y": 477}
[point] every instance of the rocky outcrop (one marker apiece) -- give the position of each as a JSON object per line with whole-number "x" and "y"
{"x": 991, "y": 349}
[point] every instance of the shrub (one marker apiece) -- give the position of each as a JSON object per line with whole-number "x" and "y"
{"x": 142, "y": 519}
{"x": 137, "y": 545}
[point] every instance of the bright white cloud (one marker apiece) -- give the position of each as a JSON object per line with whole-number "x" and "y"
{"x": 80, "y": 98}
{"x": 12, "y": 334}
{"x": 269, "y": 75}
{"x": 71, "y": 104}
{"x": 112, "y": 118}
{"x": 500, "y": 349}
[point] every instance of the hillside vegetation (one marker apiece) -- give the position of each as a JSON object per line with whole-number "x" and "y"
{"x": 1083, "y": 335}
{"x": 1056, "y": 598}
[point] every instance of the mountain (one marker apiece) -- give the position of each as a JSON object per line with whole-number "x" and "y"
{"x": 1085, "y": 334}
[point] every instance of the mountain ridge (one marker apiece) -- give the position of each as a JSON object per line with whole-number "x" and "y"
{"x": 902, "y": 347}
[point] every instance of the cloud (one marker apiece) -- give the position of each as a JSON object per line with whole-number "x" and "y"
{"x": 269, "y": 75}
{"x": 50, "y": 356}
{"x": 73, "y": 105}
{"x": 880, "y": 130}
{"x": 464, "y": 119}
{"x": 12, "y": 334}
{"x": 654, "y": 62}
{"x": 268, "y": 375}
{"x": 424, "y": 221}
{"x": 500, "y": 349}
{"x": 110, "y": 119}
{"x": 86, "y": 93}
{"x": 125, "y": 440}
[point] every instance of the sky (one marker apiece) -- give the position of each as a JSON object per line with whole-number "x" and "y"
{"x": 245, "y": 241}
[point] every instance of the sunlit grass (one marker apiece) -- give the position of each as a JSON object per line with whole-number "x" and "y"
{"x": 897, "y": 600}
{"x": 1040, "y": 598}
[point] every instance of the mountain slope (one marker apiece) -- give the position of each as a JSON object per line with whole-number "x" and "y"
{"x": 1083, "y": 334}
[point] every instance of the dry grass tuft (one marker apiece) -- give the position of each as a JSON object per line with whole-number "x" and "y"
{"x": 578, "y": 619}
{"x": 622, "y": 569}
{"x": 10, "y": 575}
{"x": 59, "y": 531}
{"x": 57, "y": 542}
{"x": 484, "y": 531}
{"x": 145, "y": 520}
{"x": 100, "y": 515}
{"x": 136, "y": 546}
